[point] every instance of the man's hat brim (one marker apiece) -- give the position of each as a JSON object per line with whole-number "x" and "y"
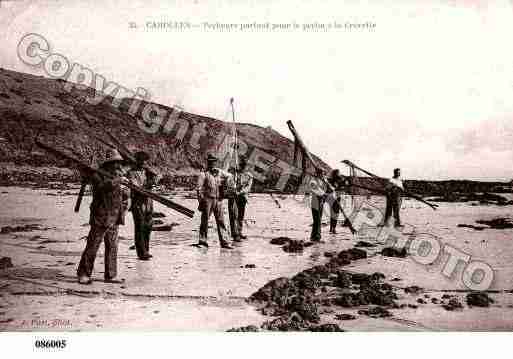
{"x": 142, "y": 156}
{"x": 122, "y": 161}
{"x": 113, "y": 156}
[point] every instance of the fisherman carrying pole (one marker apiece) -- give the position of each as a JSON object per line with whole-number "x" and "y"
{"x": 108, "y": 208}
{"x": 243, "y": 181}
{"x": 228, "y": 192}
{"x": 383, "y": 192}
{"x": 316, "y": 185}
{"x": 318, "y": 199}
{"x": 237, "y": 203}
{"x": 336, "y": 181}
{"x": 393, "y": 189}
{"x": 210, "y": 200}
{"x": 142, "y": 206}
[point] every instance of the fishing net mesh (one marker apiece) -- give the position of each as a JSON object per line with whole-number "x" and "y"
{"x": 360, "y": 194}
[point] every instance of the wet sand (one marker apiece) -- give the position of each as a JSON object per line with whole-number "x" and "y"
{"x": 186, "y": 288}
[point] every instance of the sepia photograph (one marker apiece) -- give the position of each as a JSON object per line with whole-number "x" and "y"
{"x": 255, "y": 166}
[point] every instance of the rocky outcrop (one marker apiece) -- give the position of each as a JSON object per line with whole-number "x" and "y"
{"x": 298, "y": 301}
{"x": 479, "y": 299}
{"x": 5, "y": 262}
{"x": 33, "y": 106}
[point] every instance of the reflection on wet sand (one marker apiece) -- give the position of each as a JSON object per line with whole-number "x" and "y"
{"x": 191, "y": 288}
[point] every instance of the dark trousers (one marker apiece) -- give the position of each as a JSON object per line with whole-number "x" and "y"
{"x": 233, "y": 216}
{"x": 97, "y": 234}
{"x": 317, "y": 205}
{"x": 212, "y": 206}
{"x": 393, "y": 205}
{"x": 334, "y": 211}
{"x": 142, "y": 232}
{"x": 334, "y": 204}
{"x": 236, "y": 212}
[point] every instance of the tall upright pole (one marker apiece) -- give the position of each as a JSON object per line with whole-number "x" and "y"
{"x": 306, "y": 154}
{"x": 235, "y": 143}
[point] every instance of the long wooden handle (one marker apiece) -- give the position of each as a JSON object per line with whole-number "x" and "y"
{"x": 166, "y": 202}
{"x": 299, "y": 141}
{"x": 123, "y": 151}
{"x": 81, "y": 193}
{"x": 408, "y": 194}
{"x": 351, "y": 164}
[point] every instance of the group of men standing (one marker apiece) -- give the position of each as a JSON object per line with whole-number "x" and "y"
{"x": 214, "y": 185}
{"x": 328, "y": 190}
{"x": 111, "y": 198}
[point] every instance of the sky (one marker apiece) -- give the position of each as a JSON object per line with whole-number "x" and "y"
{"x": 428, "y": 89}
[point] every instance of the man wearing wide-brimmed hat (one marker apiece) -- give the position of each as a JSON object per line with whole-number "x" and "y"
{"x": 210, "y": 196}
{"x": 108, "y": 208}
{"x": 142, "y": 206}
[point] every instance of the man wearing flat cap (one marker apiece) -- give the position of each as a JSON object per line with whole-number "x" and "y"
{"x": 210, "y": 198}
{"x": 142, "y": 206}
{"x": 108, "y": 208}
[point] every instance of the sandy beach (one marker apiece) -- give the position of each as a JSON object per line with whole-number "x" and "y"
{"x": 186, "y": 288}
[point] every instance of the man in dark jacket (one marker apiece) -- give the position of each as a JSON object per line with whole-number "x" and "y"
{"x": 318, "y": 195}
{"x": 108, "y": 208}
{"x": 334, "y": 197}
{"x": 142, "y": 206}
{"x": 394, "y": 189}
{"x": 243, "y": 183}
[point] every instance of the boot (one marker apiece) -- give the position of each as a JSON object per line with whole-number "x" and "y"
{"x": 333, "y": 226}
{"x": 115, "y": 281}
{"x": 83, "y": 279}
{"x": 202, "y": 244}
{"x": 226, "y": 245}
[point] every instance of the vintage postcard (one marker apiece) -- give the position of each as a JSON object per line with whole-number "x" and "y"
{"x": 244, "y": 166}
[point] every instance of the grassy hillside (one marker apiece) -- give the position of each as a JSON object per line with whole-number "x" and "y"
{"x": 33, "y": 106}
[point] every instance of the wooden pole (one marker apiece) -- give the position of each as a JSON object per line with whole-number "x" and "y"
{"x": 166, "y": 202}
{"x": 405, "y": 193}
{"x": 301, "y": 144}
{"x": 81, "y": 193}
